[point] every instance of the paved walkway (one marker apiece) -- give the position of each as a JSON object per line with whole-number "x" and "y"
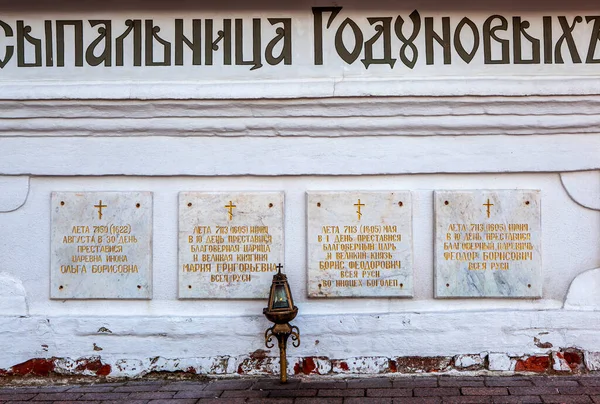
{"x": 427, "y": 389}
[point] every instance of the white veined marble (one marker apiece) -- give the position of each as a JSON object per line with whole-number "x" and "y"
{"x": 101, "y": 245}
{"x": 230, "y": 244}
{"x": 359, "y": 244}
{"x": 488, "y": 243}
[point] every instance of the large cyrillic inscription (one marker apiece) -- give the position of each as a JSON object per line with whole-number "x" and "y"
{"x": 230, "y": 243}
{"x": 101, "y": 245}
{"x": 488, "y": 243}
{"x": 339, "y": 38}
{"x": 359, "y": 244}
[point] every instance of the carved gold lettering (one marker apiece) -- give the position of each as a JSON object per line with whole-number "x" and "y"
{"x": 488, "y": 246}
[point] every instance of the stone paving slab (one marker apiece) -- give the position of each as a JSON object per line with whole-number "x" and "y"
{"x": 313, "y": 390}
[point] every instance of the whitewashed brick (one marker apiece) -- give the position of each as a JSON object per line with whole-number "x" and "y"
{"x": 500, "y": 361}
{"x": 592, "y": 360}
{"x": 466, "y": 361}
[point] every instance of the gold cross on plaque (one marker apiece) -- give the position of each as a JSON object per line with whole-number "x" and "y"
{"x": 488, "y": 204}
{"x": 358, "y": 205}
{"x": 230, "y": 208}
{"x": 100, "y": 206}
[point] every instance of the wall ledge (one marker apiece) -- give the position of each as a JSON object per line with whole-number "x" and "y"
{"x": 303, "y": 88}
{"x": 405, "y": 115}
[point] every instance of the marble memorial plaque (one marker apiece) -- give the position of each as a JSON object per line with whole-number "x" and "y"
{"x": 230, "y": 244}
{"x": 488, "y": 243}
{"x": 101, "y": 245}
{"x": 359, "y": 244}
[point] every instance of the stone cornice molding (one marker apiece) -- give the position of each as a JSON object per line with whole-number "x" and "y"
{"x": 315, "y": 117}
{"x": 112, "y": 130}
{"x": 303, "y": 88}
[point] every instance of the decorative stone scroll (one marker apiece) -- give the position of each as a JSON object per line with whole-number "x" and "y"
{"x": 101, "y": 245}
{"x": 359, "y": 244}
{"x": 230, "y": 244}
{"x": 488, "y": 243}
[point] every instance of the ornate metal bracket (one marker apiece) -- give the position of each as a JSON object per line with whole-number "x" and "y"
{"x": 282, "y": 332}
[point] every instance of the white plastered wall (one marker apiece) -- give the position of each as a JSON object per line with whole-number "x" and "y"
{"x": 293, "y": 136}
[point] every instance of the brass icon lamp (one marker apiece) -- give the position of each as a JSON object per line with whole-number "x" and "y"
{"x": 281, "y": 311}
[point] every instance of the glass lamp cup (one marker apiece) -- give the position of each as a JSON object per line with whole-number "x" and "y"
{"x": 280, "y": 298}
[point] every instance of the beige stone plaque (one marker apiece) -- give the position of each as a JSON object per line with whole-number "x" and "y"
{"x": 101, "y": 245}
{"x": 488, "y": 243}
{"x": 230, "y": 244}
{"x": 359, "y": 244}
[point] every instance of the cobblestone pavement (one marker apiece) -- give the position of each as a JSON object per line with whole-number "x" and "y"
{"x": 426, "y": 389}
